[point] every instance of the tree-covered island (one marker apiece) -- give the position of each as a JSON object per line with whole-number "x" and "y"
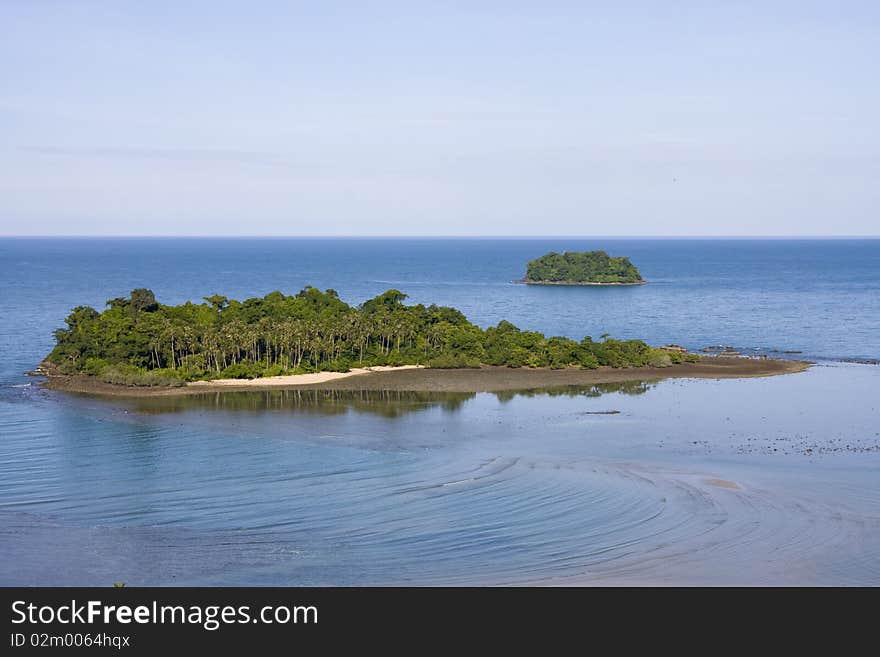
{"x": 139, "y": 341}
{"x": 585, "y": 268}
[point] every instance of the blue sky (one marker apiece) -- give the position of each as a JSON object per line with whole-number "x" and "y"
{"x": 439, "y": 118}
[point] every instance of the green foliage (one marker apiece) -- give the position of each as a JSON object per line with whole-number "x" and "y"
{"x": 586, "y": 267}
{"x": 338, "y": 365}
{"x": 139, "y": 341}
{"x": 243, "y": 370}
{"x": 132, "y": 376}
{"x": 451, "y": 362}
{"x": 661, "y": 358}
{"x": 143, "y": 300}
{"x": 94, "y": 366}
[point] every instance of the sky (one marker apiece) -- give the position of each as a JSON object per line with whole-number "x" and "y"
{"x": 439, "y": 118}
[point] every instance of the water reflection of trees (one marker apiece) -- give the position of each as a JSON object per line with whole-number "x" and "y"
{"x": 386, "y": 403}
{"x": 595, "y": 390}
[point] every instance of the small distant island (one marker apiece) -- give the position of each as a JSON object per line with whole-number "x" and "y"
{"x": 137, "y": 341}
{"x": 584, "y": 268}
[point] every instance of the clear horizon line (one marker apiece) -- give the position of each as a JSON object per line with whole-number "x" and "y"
{"x": 405, "y": 236}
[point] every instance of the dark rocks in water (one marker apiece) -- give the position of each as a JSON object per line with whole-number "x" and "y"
{"x": 722, "y": 350}
{"x": 674, "y": 347}
{"x": 45, "y": 368}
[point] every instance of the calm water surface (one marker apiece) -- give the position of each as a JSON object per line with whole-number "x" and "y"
{"x": 691, "y": 481}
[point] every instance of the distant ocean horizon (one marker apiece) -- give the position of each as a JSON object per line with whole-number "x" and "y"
{"x": 289, "y": 236}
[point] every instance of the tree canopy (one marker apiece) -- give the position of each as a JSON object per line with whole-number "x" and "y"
{"x": 584, "y": 267}
{"x": 139, "y": 341}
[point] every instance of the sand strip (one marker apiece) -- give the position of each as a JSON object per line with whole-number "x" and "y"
{"x": 293, "y": 380}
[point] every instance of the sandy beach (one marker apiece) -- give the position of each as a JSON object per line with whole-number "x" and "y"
{"x": 293, "y": 380}
{"x": 417, "y": 378}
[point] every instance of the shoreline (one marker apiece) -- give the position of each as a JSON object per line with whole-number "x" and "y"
{"x": 296, "y": 380}
{"x": 578, "y": 284}
{"x": 417, "y": 378}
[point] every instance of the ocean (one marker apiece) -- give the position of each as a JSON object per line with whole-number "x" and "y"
{"x": 692, "y": 481}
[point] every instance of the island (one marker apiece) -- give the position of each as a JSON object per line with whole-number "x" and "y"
{"x": 584, "y": 268}
{"x": 314, "y": 338}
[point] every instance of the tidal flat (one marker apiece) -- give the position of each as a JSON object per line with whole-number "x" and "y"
{"x": 410, "y": 378}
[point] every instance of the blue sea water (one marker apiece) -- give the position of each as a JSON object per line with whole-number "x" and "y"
{"x": 693, "y": 481}
{"x": 821, "y": 297}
